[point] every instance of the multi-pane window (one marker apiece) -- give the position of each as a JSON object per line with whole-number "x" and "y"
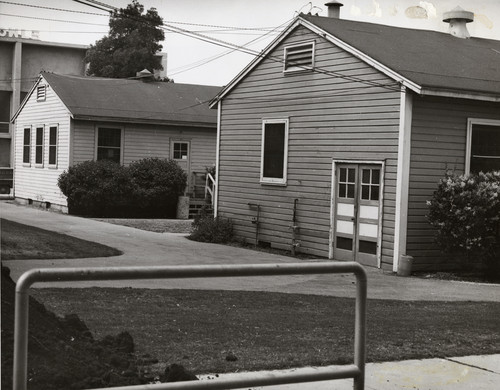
{"x": 370, "y": 184}
{"x": 109, "y": 141}
{"x": 180, "y": 150}
{"x": 27, "y": 145}
{"x": 299, "y": 57}
{"x": 274, "y": 151}
{"x": 53, "y": 145}
{"x": 39, "y": 146}
{"x": 484, "y": 147}
{"x": 347, "y": 183}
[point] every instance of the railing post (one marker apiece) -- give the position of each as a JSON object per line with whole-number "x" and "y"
{"x": 360, "y": 328}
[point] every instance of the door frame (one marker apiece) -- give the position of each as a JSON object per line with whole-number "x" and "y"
{"x": 333, "y": 199}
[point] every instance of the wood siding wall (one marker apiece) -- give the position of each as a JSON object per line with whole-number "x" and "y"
{"x": 344, "y": 110}
{"x": 142, "y": 141}
{"x": 439, "y": 134}
{"x": 39, "y": 183}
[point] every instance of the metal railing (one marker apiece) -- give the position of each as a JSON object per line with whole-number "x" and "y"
{"x": 210, "y": 187}
{"x": 301, "y": 375}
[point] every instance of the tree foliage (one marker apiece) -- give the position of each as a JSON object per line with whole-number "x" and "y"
{"x": 131, "y": 46}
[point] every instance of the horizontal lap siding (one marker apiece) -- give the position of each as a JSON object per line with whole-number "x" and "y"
{"x": 332, "y": 115}
{"x": 147, "y": 141}
{"x": 39, "y": 183}
{"x": 439, "y": 134}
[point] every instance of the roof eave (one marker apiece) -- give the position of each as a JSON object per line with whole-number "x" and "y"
{"x": 331, "y": 38}
{"x": 145, "y": 121}
{"x": 458, "y": 94}
{"x": 213, "y": 103}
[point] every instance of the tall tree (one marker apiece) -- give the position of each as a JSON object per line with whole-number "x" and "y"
{"x": 131, "y": 45}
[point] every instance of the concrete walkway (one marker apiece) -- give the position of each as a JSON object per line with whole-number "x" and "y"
{"x": 153, "y": 249}
{"x": 459, "y": 373}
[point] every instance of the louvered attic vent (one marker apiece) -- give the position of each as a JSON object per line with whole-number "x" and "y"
{"x": 41, "y": 93}
{"x": 299, "y": 57}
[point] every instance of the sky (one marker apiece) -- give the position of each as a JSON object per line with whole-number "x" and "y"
{"x": 250, "y": 23}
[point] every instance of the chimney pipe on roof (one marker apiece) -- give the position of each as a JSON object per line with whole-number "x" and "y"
{"x": 458, "y": 19}
{"x": 334, "y": 9}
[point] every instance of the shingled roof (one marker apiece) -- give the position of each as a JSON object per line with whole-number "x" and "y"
{"x": 431, "y": 59}
{"x": 124, "y": 100}
{"x": 428, "y": 62}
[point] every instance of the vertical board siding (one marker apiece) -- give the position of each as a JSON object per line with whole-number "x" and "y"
{"x": 39, "y": 183}
{"x": 341, "y": 111}
{"x": 439, "y": 135}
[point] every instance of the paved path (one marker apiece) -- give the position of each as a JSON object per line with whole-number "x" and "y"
{"x": 457, "y": 373}
{"x": 151, "y": 249}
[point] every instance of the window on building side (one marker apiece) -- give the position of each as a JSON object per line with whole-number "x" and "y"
{"x": 180, "y": 150}
{"x": 27, "y": 145}
{"x": 109, "y": 142}
{"x": 39, "y": 146}
{"x": 484, "y": 146}
{"x": 53, "y": 145}
{"x": 41, "y": 93}
{"x": 274, "y": 151}
{"x": 299, "y": 57}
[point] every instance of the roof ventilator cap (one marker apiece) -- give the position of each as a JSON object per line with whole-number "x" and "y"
{"x": 334, "y": 9}
{"x": 145, "y": 75}
{"x": 458, "y": 19}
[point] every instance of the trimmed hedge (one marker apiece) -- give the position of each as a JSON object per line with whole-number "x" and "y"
{"x": 148, "y": 188}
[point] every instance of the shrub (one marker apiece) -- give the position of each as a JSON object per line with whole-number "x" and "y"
{"x": 209, "y": 229}
{"x": 466, "y": 212}
{"x": 147, "y": 188}
{"x": 96, "y": 189}
{"x": 157, "y": 185}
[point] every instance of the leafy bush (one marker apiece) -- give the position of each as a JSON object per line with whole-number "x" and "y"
{"x": 466, "y": 212}
{"x": 157, "y": 186}
{"x": 209, "y": 229}
{"x": 147, "y": 188}
{"x": 96, "y": 188}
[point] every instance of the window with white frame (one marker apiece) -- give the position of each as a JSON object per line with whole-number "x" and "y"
{"x": 299, "y": 57}
{"x": 109, "y": 144}
{"x": 274, "y": 155}
{"x": 180, "y": 150}
{"x": 53, "y": 145}
{"x": 27, "y": 145}
{"x": 483, "y": 146}
{"x": 39, "y": 138}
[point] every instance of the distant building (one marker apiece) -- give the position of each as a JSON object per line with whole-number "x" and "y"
{"x": 22, "y": 57}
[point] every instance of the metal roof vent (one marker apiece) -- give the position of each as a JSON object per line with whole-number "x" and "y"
{"x": 145, "y": 75}
{"x": 334, "y": 9}
{"x": 458, "y": 19}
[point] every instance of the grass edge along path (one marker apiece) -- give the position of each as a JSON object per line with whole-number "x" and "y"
{"x": 21, "y": 242}
{"x": 229, "y": 331}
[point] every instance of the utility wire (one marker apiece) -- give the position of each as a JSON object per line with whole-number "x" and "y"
{"x": 53, "y": 9}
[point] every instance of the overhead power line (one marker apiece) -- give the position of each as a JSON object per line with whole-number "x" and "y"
{"x": 53, "y": 9}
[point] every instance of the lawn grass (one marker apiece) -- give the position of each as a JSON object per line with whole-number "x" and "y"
{"x": 199, "y": 329}
{"x": 20, "y": 242}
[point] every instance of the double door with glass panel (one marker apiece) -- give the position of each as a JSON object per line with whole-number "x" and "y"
{"x": 357, "y": 211}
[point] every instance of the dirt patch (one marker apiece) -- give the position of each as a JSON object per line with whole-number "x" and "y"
{"x": 153, "y": 225}
{"x": 63, "y": 353}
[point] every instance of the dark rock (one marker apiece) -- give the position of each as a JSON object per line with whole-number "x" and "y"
{"x": 177, "y": 373}
{"x": 231, "y": 357}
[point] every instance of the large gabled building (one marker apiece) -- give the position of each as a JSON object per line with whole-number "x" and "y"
{"x": 332, "y": 140}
